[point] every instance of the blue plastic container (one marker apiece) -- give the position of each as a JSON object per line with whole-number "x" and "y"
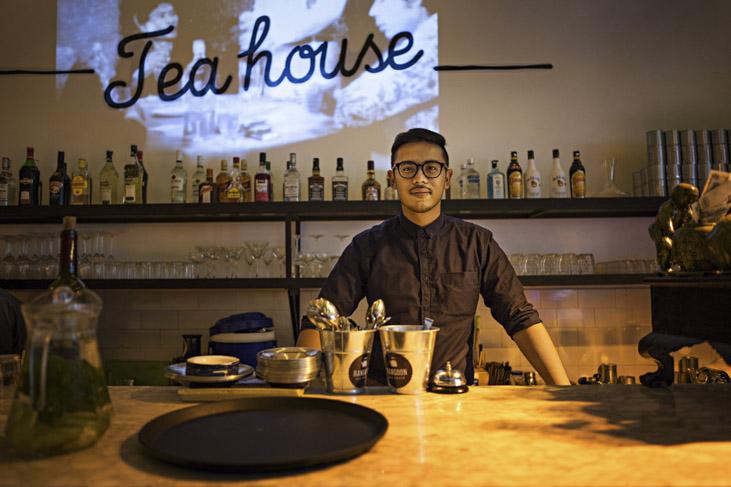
{"x": 243, "y": 336}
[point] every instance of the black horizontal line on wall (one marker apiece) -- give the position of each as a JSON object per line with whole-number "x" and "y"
{"x": 8, "y": 72}
{"x": 492, "y": 67}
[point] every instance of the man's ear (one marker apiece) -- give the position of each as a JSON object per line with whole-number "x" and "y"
{"x": 389, "y": 175}
{"x": 448, "y": 179}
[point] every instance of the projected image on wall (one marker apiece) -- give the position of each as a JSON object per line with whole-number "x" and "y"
{"x": 252, "y": 114}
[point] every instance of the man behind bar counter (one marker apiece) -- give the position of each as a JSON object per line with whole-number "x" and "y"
{"x": 425, "y": 264}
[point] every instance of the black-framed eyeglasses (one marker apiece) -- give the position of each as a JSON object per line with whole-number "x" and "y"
{"x": 408, "y": 169}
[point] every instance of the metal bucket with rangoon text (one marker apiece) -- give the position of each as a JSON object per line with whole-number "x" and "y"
{"x": 407, "y": 353}
{"x": 346, "y": 355}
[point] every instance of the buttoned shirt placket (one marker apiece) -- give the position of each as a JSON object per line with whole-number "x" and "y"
{"x": 423, "y": 241}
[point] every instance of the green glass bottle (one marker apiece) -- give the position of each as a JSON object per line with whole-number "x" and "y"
{"x": 68, "y": 266}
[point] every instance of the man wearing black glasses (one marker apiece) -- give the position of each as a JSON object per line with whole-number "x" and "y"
{"x": 425, "y": 264}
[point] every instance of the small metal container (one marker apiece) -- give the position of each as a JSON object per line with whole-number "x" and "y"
{"x": 705, "y": 156}
{"x": 672, "y": 150}
{"x": 657, "y": 187}
{"x": 674, "y": 177}
{"x": 407, "y": 353}
{"x": 626, "y": 380}
{"x": 347, "y": 356}
{"x": 645, "y": 183}
{"x": 636, "y": 183}
{"x": 719, "y": 141}
{"x": 607, "y": 374}
{"x": 655, "y": 148}
{"x": 689, "y": 174}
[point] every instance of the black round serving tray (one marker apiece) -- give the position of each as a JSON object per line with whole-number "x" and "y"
{"x": 263, "y": 434}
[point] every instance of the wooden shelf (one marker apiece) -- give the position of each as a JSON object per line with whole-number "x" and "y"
{"x": 310, "y": 283}
{"x": 331, "y": 211}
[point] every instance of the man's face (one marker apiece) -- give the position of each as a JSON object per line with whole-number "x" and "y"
{"x": 420, "y": 194}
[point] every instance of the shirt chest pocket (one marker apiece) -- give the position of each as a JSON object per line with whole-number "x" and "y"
{"x": 456, "y": 293}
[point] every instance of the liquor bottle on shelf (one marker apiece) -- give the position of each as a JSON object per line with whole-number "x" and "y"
{"x": 143, "y": 174}
{"x": 316, "y": 183}
{"x": 108, "y": 182}
{"x": 246, "y": 181}
{"x": 208, "y": 190}
{"x": 390, "y": 193}
{"x": 558, "y": 178}
{"x": 81, "y": 185}
{"x": 371, "y": 188}
{"x": 7, "y": 184}
{"x": 223, "y": 178}
{"x": 291, "y": 181}
{"x": 340, "y": 182}
{"x": 495, "y": 183}
{"x": 515, "y": 177}
{"x": 59, "y": 184}
{"x": 132, "y": 179}
{"x": 472, "y": 180}
{"x": 198, "y": 177}
{"x": 577, "y": 177}
{"x": 532, "y": 178}
{"x": 234, "y": 190}
{"x": 262, "y": 180}
{"x": 68, "y": 266}
{"x": 178, "y": 180}
{"x": 29, "y": 181}
{"x": 270, "y": 185}
{"x": 461, "y": 183}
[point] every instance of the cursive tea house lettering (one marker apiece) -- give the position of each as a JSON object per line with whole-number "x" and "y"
{"x": 398, "y": 56}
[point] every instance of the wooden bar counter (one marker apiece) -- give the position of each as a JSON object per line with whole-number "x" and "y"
{"x": 581, "y": 435}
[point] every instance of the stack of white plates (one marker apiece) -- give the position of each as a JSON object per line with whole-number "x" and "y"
{"x": 288, "y": 366}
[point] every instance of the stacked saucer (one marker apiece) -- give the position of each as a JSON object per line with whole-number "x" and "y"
{"x": 288, "y": 366}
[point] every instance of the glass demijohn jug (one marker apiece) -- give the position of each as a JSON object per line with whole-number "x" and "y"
{"x": 61, "y": 403}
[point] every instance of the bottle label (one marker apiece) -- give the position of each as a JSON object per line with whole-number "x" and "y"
{"x": 578, "y": 184}
{"x": 291, "y": 191}
{"x": 205, "y": 194}
{"x": 498, "y": 186}
{"x": 78, "y": 183}
{"x": 106, "y": 194}
{"x": 340, "y": 191}
{"x": 558, "y": 186}
{"x": 55, "y": 187}
{"x": 176, "y": 184}
{"x": 515, "y": 185}
{"x": 261, "y": 188}
{"x": 371, "y": 193}
{"x": 25, "y": 197}
{"x": 233, "y": 195}
{"x": 317, "y": 192}
{"x": 130, "y": 193}
{"x": 4, "y": 194}
{"x": 246, "y": 184}
{"x": 533, "y": 187}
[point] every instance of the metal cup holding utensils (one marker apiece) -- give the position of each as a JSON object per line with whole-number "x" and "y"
{"x": 346, "y": 347}
{"x": 346, "y": 355}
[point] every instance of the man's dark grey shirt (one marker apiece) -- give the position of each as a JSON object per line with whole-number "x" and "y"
{"x": 433, "y": 272}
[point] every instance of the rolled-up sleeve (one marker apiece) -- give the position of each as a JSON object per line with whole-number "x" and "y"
{"x": 503, "y": 292}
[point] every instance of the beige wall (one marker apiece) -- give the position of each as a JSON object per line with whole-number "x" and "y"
{"x": 621, "y": 68}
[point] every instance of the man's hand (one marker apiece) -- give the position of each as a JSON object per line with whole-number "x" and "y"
{"x": 536, "y": 345}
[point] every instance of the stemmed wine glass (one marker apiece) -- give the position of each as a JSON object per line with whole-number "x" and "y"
{"x": 257, "y": 252}
{"x": 280, "y": 256}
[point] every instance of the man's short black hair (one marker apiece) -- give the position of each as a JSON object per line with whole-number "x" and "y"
{"x": 419, "y": 135}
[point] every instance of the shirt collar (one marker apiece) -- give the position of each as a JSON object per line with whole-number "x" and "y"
{"x": 413, "y": 230}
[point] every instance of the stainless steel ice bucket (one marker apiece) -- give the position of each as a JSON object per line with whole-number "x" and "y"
{"x": 407, "y": 353}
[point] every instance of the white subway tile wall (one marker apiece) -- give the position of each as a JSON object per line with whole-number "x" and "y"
{"x": 587, "y": 325}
